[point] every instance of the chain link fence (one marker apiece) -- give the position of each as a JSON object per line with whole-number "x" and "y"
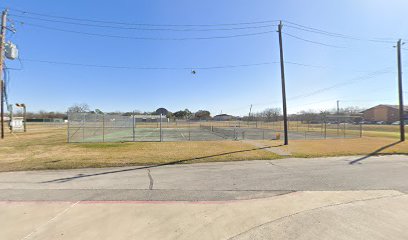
{"x": 92, "y": 127}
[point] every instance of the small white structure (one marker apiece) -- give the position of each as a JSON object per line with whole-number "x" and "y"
{"x": 17, "y": 124}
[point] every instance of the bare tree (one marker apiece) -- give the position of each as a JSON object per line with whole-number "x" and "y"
{"x": 79, "y": 108}
{"x": 271, "y": 114}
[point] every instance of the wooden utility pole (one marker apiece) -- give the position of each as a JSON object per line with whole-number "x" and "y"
{"x": 2, "y": 89}
{"x": 400, "y": 93}
{"x": 285, "y": 116}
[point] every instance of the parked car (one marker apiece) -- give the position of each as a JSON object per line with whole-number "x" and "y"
{"x": 398, "y": 122}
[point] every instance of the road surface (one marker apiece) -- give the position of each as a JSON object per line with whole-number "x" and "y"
{"x": 332, "y": 198}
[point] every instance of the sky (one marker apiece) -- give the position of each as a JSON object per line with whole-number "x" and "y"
{"x": 358, "y": 67}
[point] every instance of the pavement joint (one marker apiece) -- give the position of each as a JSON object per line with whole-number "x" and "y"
{"x": 314, "y": 209}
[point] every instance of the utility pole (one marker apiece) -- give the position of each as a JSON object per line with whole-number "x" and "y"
{"x": 282, "y": 65}
{"x": 2, "y": 42}
{"x": 400, "y": 93}
{"x": 338, "y": 107}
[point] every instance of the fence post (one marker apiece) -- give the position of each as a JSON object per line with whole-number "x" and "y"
{"x": 325, "y": 129}
{"x": 161, "y": 137}
{"x": 189, "y": 130}
{"x": 68, "y": 133}
{"x": 103, "y": 127}
{"x": 134, "y": 125}
{"x": 83, "y": 127}
{"x": 361, "y": 130}
{"x": 344, "y": 130}
{"x": 263, "y": 134}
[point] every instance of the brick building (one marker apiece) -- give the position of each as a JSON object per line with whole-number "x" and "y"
{"x": 386, "y": 113}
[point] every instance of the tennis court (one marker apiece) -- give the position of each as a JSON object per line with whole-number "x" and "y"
{"x": 117, "y": 128}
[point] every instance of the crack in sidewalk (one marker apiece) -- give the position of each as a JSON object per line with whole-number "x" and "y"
{"x": 150, "y": 179}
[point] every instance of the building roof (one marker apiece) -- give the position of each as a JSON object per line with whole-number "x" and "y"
{"x": 223, "y": 115}
{"x": 148, "y": 116}
{"x": 387, "y": 105}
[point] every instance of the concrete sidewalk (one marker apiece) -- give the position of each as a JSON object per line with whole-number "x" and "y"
{"x": 297, "y": 215}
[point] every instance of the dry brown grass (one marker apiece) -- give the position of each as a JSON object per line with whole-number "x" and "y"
{"x": 45, "y": 148}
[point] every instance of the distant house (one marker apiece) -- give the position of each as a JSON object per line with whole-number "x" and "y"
{"x": 223, "y": 117}
{"x": 385, "y": 113}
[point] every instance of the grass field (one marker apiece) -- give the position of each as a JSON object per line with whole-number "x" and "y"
{"x": 45, "y": 147}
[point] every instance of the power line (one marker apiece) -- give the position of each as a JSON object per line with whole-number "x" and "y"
{"x": 164, "y": 68}
{"x": 148, "y": 68}
{"x": 366, "y": 77}
{"x": 148, "y": 38}
{"x": 332, "y": 34}
{"x": 145, "y": 28}
{"x": 141, "y": 24}
{"x": 314, "y": 42}
{"x": 290, "y": 25}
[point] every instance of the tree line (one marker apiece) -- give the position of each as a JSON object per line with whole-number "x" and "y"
{"x": 269, "y": 114}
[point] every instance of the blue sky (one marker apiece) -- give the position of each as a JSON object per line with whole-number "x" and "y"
{"x": 54, "y": 87}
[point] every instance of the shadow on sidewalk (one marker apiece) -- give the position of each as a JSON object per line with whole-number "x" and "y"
{"x": 373, "y": 153}
{"x": 62, "y": 180}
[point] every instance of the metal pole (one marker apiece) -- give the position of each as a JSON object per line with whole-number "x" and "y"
{"x": 325, "y": 129}
{"x": 400, "y": 94}
{"x": 68, "y": 132}
{"x": 103, "y": 128}
{"x": 285, "y": 117}
{"x": 161, "y": 137}
{"x": 189, "y": 130}
{"x": 2, "y": 41}
{"x": 25, "y": 117}
{"x": 344, "y": 130}
{"x": 83, "y": 127}
{"x": 134, "y": 125}
{"x": 361, "y": 130}
{"x": 11, "y": 117}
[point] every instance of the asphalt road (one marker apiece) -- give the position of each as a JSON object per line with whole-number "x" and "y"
{"x": 209, "y": 181}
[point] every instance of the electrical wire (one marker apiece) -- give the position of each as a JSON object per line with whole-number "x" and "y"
{"x": 310, "y": 41}
{"x": 145, "y": 28}
{"x": 365, "y": 77}
{"x": 142, "y": 24}
{"x": 331, "y": 34}
{"x": 148, "y": 38}
{"x": 149, "y": 68}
